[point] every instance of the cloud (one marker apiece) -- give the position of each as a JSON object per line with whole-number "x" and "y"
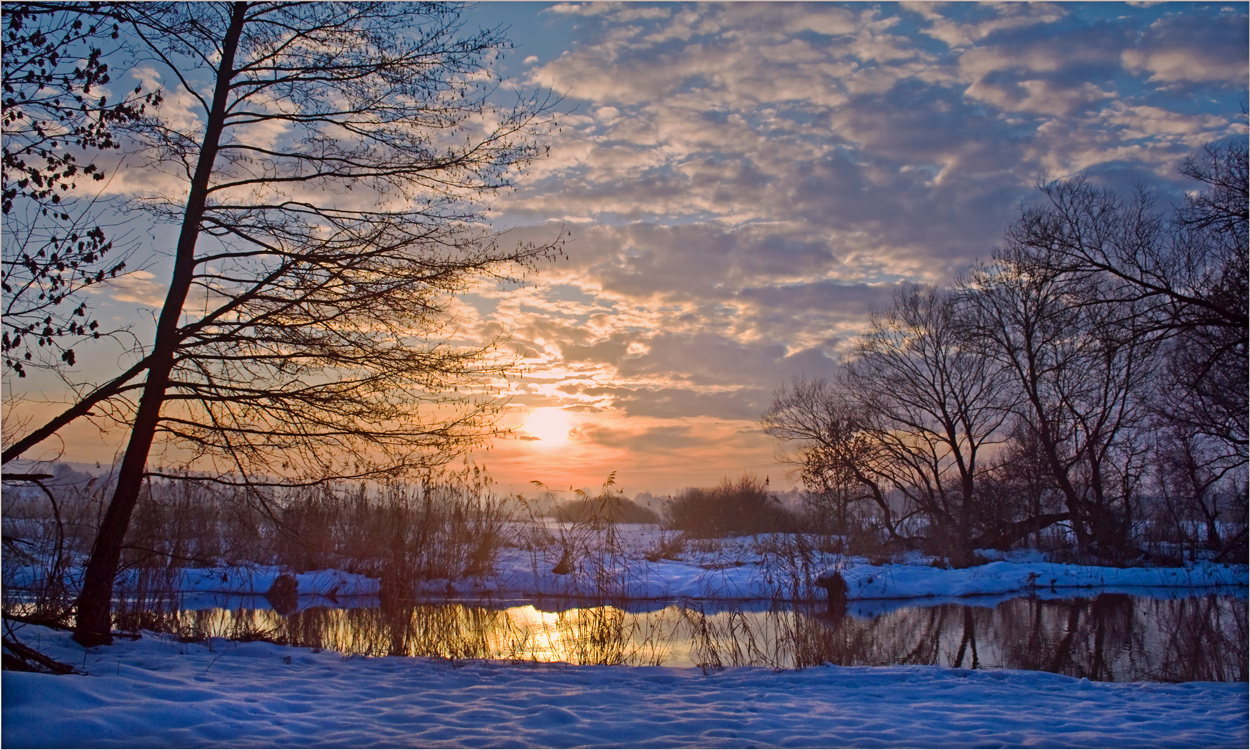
{"x": 1193, "y": 48}
{"x": 1001, "y": 17}
{"x": 749, "y": 180}
{"x": 136, "y": 287}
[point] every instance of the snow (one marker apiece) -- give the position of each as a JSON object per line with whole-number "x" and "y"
{"x": 736, "y": 569}
{"x": 259, "y": 579}
{"x": 157, "y": 692}
{"x": 911, "y": 581}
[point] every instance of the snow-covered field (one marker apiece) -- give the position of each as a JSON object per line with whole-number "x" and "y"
{"x": 159, "y": 693}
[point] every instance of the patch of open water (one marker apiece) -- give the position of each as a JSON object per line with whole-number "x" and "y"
{"x": 1105, "y": 636}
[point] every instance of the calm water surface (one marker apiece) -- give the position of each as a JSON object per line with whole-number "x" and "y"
{"x": 1110, "y": 636}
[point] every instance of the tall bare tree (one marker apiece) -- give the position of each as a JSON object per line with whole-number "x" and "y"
{"x": 328, "y": 177}
{"x": 1083, "y": 359}
{"x": 1111, "y": 311}
{"x": 1186, "y": 273}
{"x": 933, "y": 403}
{"x": 1209, "y": 354}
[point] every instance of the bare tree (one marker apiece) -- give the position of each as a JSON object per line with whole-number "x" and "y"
{"x": 1082, "y": 360}
{"x": 1205, "y": 391}
{"x": 836, "y": 455}
{"x": 1186, "y": 274}
{"x": 933, "y": 403}
{"x": 333, "y": 178}
{"x": 1098, "y": 302}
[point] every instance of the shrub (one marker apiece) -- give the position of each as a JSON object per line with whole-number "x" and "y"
{"x": 735, "y": 507}
{"x": 609, "y": 508}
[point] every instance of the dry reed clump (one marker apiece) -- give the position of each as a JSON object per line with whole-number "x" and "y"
{"x": 668, "y": 546}
{"x": 447, "y": 526}
{"x": 791, "y": 565}
{"x": 48, "y": 525}
{"x": 586, "y": 550}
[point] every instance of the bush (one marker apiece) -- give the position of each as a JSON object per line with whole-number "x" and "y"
{"x": 733, "y": 508}
{"x": 607, "y": 508}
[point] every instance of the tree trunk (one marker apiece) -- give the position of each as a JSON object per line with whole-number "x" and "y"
{"x": 1005, "y": 538}
{"x": 95, "y": 603}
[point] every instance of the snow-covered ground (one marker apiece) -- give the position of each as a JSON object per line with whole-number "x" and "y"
{"x": 156, "y": 692}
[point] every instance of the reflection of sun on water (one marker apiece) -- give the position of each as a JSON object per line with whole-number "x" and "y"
{"x": 550, "y": 425}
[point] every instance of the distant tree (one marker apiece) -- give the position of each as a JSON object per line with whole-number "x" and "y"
{"x": 1197, "y": 486}
{"x": 330, "y": 207}
{"x": 57, "y": 120}
{"x": 735, "y": 507}
{"x": 606, "y": 508}
{"x": 1018, "y": 495}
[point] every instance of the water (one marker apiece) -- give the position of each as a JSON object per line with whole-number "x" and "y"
{"x": 1109, "y": 636}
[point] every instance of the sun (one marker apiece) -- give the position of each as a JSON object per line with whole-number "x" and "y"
{"x": 550, "y": 425}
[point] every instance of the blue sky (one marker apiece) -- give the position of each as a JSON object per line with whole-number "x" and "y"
{"x": 743, "y": 182}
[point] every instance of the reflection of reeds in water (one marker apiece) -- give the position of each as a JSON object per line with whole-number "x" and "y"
{"x": 721, "y": 640}
{"x": 1110, "y": 637}
{"x": 589, "y": 635}
{"x": 148, "y": 599}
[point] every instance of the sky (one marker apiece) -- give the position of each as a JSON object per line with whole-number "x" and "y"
{"x": 745, "y": 182}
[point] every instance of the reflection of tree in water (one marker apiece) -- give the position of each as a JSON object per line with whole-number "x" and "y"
{"x": 1207, "y": 640}
{"x": 1099, "y": 638}
{"x": 1119, "y": 637}
{"x": 906, "y": 636}
{"x": 1107, "y": 637}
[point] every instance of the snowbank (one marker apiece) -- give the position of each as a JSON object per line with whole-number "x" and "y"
{"x": 740, "y": 577}
{"x": 160, "y": 693}
{"x": 913, "y": 581}
{"x": 736, "y": 572}
{"x": 259, "y": 579}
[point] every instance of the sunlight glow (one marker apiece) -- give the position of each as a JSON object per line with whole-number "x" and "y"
{"x": 550, "y": 425}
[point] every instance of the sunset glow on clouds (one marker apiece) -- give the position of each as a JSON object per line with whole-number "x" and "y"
{"x": 743, "y": 182}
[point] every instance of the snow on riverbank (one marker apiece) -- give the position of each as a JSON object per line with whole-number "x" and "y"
{"x": 741, "y": 568}
{"x": 157, "y": 692}
{"x": 913, "y": 581}
{"x": 737, "y": 571}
